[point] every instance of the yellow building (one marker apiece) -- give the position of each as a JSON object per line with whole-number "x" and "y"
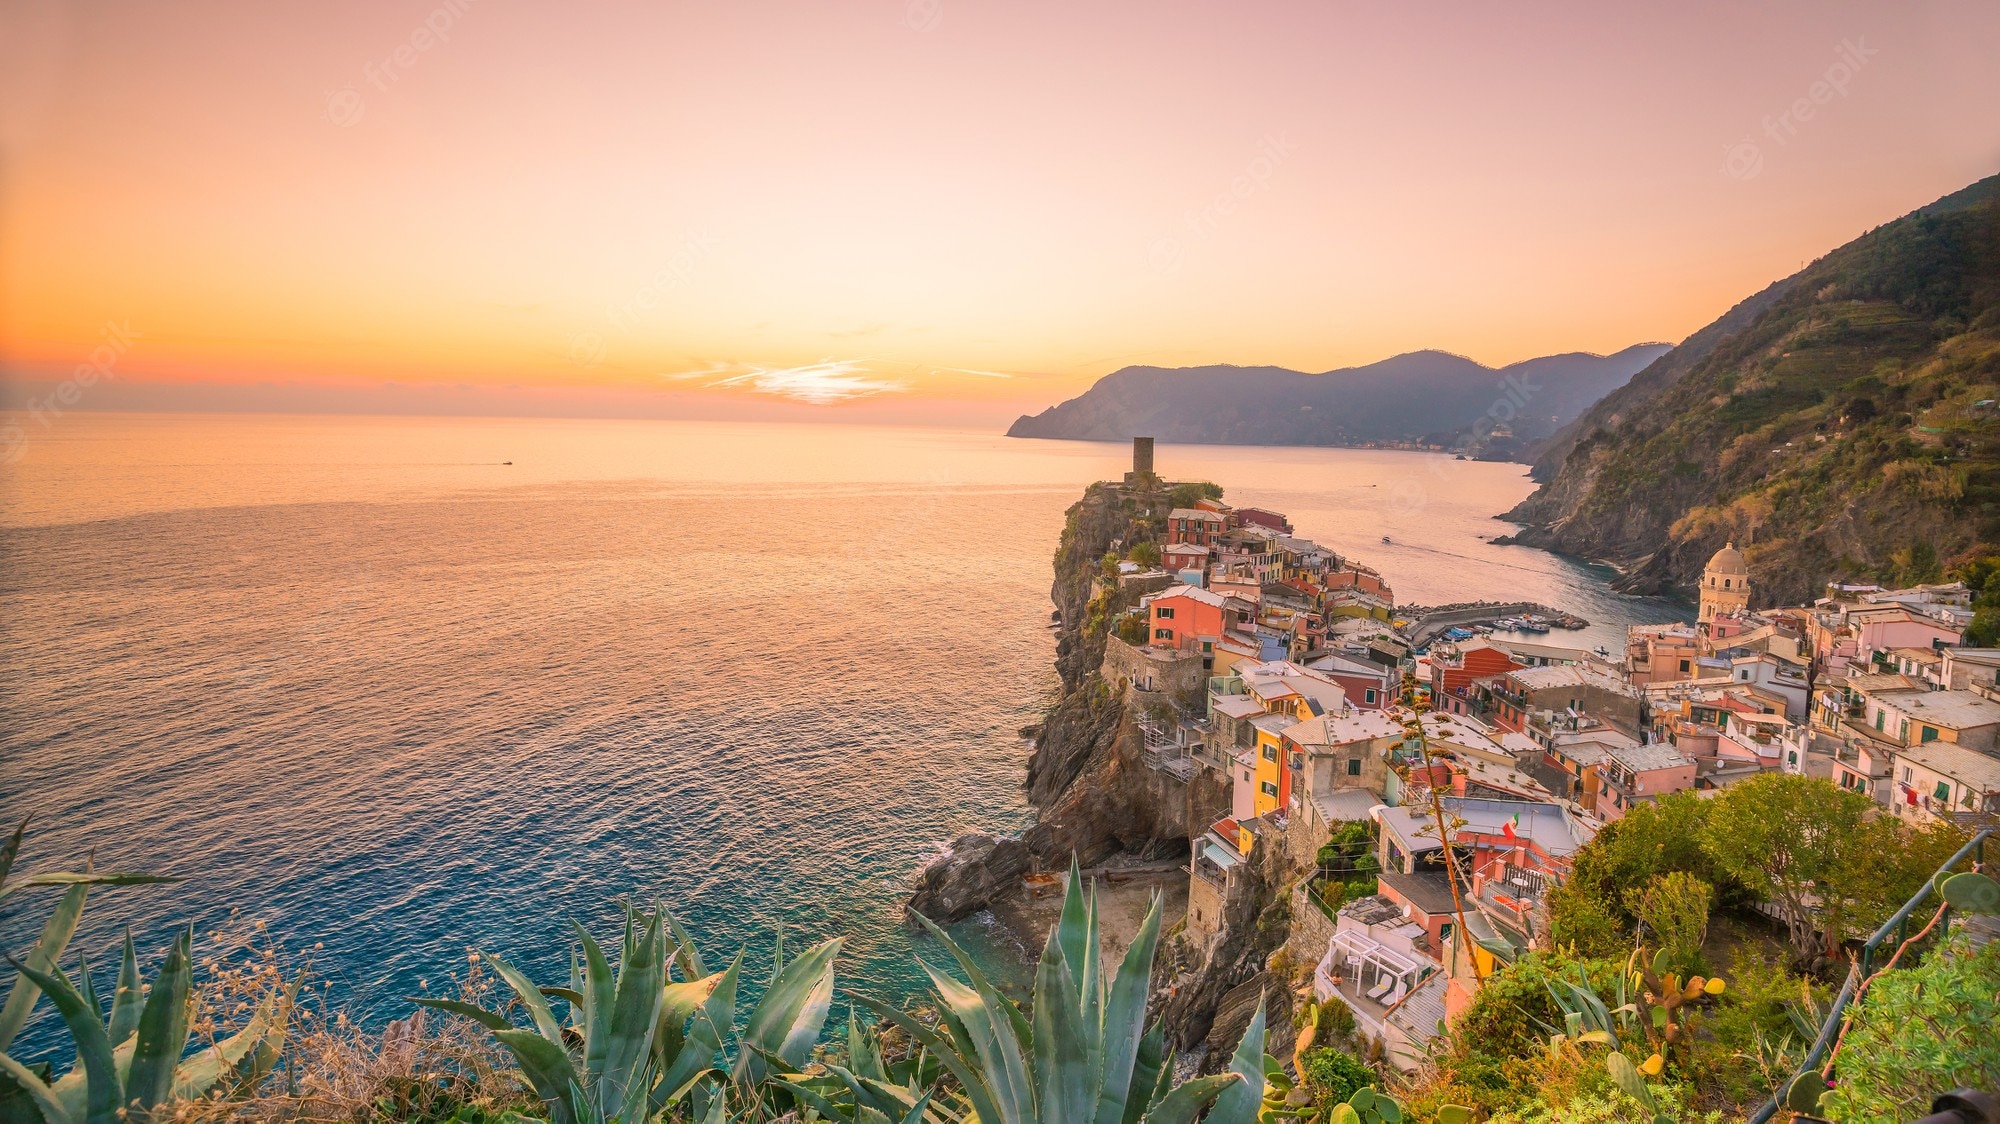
{"x": 1272, "y": 780}
{"x": 1725, "y": 584}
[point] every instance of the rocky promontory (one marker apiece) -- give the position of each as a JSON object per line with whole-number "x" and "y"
{"x": 1094, "y": 798}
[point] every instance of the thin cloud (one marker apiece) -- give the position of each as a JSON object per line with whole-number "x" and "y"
{"x": 824, "y": 383}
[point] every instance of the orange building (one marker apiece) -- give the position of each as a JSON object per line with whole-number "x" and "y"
{"x": 1185, "y": 617}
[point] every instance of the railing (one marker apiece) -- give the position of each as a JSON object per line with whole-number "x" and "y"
{"x": 1860, "y": 971}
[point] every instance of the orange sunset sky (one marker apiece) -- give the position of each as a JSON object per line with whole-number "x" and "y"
{"x": 931, "y": 209}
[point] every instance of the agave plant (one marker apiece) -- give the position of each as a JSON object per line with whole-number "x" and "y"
{"x": 639, "y": 1040}
{"x": 21, "y": 998}
{"x": 1084, "y": 1055}
{"x": 131, "y": 1060}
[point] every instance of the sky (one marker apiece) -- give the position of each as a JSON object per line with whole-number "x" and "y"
{"x": 931, "y": 210}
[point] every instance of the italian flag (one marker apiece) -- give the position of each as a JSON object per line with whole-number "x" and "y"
{"x": 1507, "y": 828}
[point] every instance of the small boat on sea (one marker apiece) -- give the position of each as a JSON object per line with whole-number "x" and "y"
{"x": 1532, "y": 623}
{"x": 1385, "y": 538}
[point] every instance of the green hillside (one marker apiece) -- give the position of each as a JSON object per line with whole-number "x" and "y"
{"x": 1848, "y": 429}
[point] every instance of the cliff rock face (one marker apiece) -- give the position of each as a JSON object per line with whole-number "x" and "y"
{"x": 1210, "y": 992}
{"x": 1093, "y": 796}
{"x": 969, "y": 876}
{"x": 1837, "y": 424}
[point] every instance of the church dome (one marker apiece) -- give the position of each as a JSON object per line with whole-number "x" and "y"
{"x": 1728, "y": 560}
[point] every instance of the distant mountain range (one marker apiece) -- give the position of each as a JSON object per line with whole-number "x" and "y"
{"x": 1429, "y": 396}
{"x": 1839, "y": 424}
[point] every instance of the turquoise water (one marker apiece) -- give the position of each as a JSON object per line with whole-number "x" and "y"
{"x": 360, "y": 681}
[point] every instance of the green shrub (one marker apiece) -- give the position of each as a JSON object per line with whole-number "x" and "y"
{"x": 1333, "y": 1075}
{"x": 1918, "y": 1033}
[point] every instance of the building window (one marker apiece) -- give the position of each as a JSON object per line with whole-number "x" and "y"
{"x": 1942, "y": 792}
{"x": 1684, "y": 665}
{"x": 1270, "y": 753}
{"x": 1164, "y": 612}
{"x": 1354, "y": 766}
{"x": 1268, "y": 789}
{"x": 1929, "y": 735}
{"x": 1163, "y": 634}
{"x": 1368, "y": 695}
{"x": 1207, "y": 646}
{"x": 1906, "y": 774}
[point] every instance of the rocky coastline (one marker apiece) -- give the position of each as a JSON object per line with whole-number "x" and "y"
{"x": 1097, "y": 804}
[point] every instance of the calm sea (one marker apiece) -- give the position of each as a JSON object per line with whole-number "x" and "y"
{"x": 365, "y": 681}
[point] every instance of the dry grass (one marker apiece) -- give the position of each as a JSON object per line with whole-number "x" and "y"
{"x": 426, "y": 1067}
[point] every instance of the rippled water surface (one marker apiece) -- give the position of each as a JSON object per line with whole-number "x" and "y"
{"x": 365, "y": 682}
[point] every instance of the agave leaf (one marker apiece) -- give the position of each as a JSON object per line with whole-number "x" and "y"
{"x": 163, "y": 1028}
{"x": 984, "y": 1035}
{"x": 686, "y": 954}
{"x": 980, "y": 984}
{"x": 786, "y": 1021}
{"x": 129, "y": 996}
{"x": 707, "y": 1021}
{"x": 1150, "y": 1065}
{"x": 598, "y": 990}
{"x": 478, "y": 1014}
{"x": 916, "y": 1113}
{"x": 206, "y": 1069}
{"x": 44, "y": 1098}
{"x": 1186, "y": 1101}
{"x": 880, "y": 1097}
{"x": 82, "y": 878}
{"x": 531, "y": 998}
{"x": 811, "y": 1098}
{"x": 547, "y": 1069}
{"x": 1072, "y": 931}
{"x": 1239, "y": 1103}
{"x": 1063, "y": 1045}
{"x": 1124, "y": 1023}
{"x": 861, "y": 1051}
{"x": 46, "y": 954}
{"x": 105, "y": 1094}
{"x": 635, "y": 1018}
{"x": 87, "y": 986}
{"x": 967, "y": 1071}
{"x": 11, "y": 850}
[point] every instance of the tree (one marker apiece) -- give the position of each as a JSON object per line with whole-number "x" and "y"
{"x": 1674, "y": 906}
{"x": 1655, "y": 838}
{"x": 1193, "y": 492}
{"x": 1801, "y": 844}
{"x": 1146, "y": 554}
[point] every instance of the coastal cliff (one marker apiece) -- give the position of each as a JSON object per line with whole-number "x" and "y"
{"x": 1098, "y": 801}
{"x": 1094, "y": 798}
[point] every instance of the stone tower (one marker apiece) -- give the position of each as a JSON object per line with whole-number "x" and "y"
{"x": 1142, "y": 462}
{"x": 1725, "y": 584}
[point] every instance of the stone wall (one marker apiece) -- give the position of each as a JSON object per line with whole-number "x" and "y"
{"x": 1156, "y": 670}
{"x": 1311, "y": 929}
